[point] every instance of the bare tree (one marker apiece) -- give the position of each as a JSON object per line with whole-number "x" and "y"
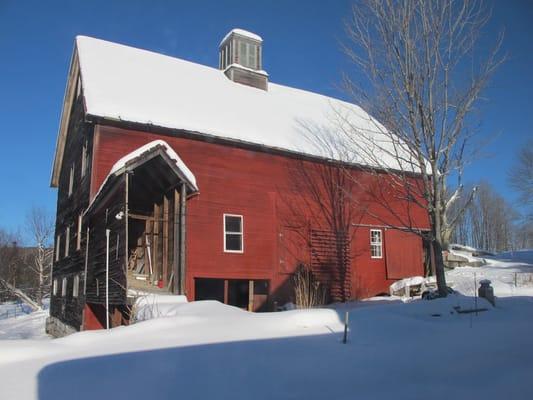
{"x": 321, "y": 210}
{"x": 424, "y": 77}
{"x": 489, "y": 223}
{"x": 521, "y": 175}
{"x": 40, "y": 226}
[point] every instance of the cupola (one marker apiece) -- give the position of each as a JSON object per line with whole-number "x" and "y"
{"x": 241, "y": 57}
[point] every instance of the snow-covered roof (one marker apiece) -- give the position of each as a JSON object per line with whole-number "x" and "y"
{"x": 122, "y": 83}
{"x": 242, "y": 32}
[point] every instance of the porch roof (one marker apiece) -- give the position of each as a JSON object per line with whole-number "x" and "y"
{"x": 140, "y": 157}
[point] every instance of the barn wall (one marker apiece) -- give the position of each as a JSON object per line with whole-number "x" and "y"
{"x": 250, "y": 183}
{"x": 68, "y": 308}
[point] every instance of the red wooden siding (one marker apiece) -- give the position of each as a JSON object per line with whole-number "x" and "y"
{"x": 243, "y": 182}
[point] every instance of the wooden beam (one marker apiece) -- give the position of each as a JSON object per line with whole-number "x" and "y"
{"x": 165, "y": 240}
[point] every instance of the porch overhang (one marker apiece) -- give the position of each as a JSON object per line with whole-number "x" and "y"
{"x": 169, "y": 170}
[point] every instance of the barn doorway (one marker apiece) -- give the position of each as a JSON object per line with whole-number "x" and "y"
{"x": 251, "y": 295}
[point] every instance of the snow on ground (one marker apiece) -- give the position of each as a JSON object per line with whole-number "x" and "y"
{"x": 26, "y": 326}
{"x": 17, "y": 321}
{"x": 203, "y": 350}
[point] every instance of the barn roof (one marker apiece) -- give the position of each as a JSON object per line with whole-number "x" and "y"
{"x": 122, "y": 83}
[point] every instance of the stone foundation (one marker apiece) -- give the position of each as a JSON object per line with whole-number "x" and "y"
{"x": 57, "y": 328}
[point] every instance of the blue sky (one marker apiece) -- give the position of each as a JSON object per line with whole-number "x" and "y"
{"x": 301, "y": 49}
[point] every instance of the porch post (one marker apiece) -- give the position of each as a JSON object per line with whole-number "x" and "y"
{"x": 176, "y": 246}
{"x": 183, "y": 204}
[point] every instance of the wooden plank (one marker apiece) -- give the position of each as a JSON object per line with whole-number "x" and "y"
{"x": 165, "y": 240}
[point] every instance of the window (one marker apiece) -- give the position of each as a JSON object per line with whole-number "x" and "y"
{"x": 71, "y": 180}
{"x": 233, "y": 233}
{"x": 64, "y": 287}
{"x": 67, "y": 240}
{"x": 78, "y": 234}
{"x": 247, "y": 55}
{"x": 375, "y": 243}
{"x": 58, "y": 246}
{"x": 76, "y": 286}
{"x": 54, "y": 287}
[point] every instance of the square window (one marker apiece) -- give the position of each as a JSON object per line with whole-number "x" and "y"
{"x": 233, "y": 233}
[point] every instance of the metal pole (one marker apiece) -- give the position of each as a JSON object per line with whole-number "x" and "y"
{"x": 107, "y": 232}
{"x": 346, "y": 320}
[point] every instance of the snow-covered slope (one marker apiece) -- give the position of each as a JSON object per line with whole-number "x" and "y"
{"x": 205, "y": 350}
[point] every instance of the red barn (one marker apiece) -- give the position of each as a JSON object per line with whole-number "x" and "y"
{"x": 210, "y": 183}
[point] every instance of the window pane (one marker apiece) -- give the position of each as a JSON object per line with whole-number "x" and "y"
{"x": 233, "y": 224}
{"x": 233, "y": 242}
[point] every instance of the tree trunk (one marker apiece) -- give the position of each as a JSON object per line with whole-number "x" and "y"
{"x": 439, "y": 268}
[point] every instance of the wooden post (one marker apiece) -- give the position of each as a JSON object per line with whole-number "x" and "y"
{"x": 165, "y": 241}
{"x": 86, "y": 262}
{"x": 176, "y": 245}
{"x": 183, "y": 249}
{"x": 250, "y": 295}
{"x": 226, "y": 291}
{"x": 155, "y": 245}
{"x": 126, "y": 227}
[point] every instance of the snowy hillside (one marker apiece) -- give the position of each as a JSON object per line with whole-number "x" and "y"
{"x": 203, "y": 350}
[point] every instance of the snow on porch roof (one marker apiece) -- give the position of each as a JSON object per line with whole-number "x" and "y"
{"x": 143, "y": 154}
{"x": 122, "y": 83}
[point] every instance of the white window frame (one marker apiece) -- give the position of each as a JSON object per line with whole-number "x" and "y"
{"x": 54, "y": 287}
{"x": 64, "y": 287}
{"x": 233, "y": 233}
{"x": 78, "y": 238}
{"x": 76, "y": 286}
{"x": 84, "y": 159}
{"x": 67, "y": 241}
{"x": 58, "y": 247}
{"x": 71, "y": 180}
{"x": 376, "y": 244}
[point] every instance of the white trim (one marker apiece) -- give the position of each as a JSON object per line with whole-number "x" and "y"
{"x": 233, "y": 233}
{"x": 54, "y": 287}
{"x": 374, "y": 244}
